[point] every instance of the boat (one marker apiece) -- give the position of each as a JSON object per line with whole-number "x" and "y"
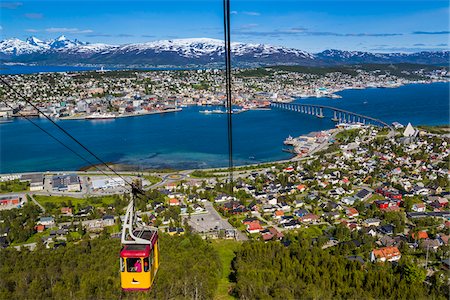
{"x": 205, "y": 111}
{"x": 289, "y": 140}
{"x": 97, "y": 115}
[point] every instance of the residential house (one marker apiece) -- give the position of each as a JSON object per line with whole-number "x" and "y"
{"x": 66, "y": 211}
{"x": 46, "y": 221}
{"x": 386, "y": 229}
{"x": 108, "y": 220}
{"x": 278, "y": 214}
{"x": 254, "y": 227}
{"x": 271, "y": 234}
{"x": 430, "y": 244}
{"x": 309, "y": 218}
{"x": 419, "y": 235}
{"x": 174, "y": 202}
{"x": 419, "y": 207}
{"x": 351, "y": 212}
{"x": 385, "y": 254}
{"x": 372, "y": 222}
{"x": 363, "y": 194}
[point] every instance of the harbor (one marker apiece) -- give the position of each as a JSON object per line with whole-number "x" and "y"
{"x": 310, "y": 143}
{"x": 191, "y": 140}
{"x": 109, "y": 116}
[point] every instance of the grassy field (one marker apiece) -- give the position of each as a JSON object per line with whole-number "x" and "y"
{"x": 152, "y": 179}
{"x": 59, "y": 200}
{"x": 226, "y": 250}
{"x": 439, "y": 129}
{"x": 376, "y": 197}
{"x": 12, "y": 186}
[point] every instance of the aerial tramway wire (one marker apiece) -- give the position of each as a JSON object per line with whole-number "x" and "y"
{"x": 133, "y": 186}
{"x": 229, "y": 105}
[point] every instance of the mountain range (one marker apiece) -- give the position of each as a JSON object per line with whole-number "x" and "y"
{"x": 192, "y": 52}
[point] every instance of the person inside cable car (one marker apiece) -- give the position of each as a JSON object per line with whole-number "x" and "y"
{"x": 138, "y": 266}
{"x": 146, "y": 264}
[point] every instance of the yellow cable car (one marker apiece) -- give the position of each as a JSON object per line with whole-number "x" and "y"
{"x": 139, "y": 257}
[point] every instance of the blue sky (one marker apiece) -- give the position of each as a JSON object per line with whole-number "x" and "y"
{"x": 377, "y": 26}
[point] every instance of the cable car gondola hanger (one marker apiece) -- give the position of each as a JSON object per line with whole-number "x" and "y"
{"x": 139, "y": 257}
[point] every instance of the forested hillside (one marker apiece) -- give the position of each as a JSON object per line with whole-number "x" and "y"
{"x": 189, "y": 268}
{"x": 305, "y": 271}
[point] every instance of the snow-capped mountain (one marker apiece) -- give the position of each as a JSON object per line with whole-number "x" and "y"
{"x": 63, "y": 42}
{"x": 198, "y": 51}
{"x": 34, "y": 41}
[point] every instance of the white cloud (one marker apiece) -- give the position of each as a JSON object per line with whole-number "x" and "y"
{"x": 251, "y": 13}
{"x": 10, "y": 5}
{"x": 31, "y": 30}
{"x": 68, "y": 30}
{"x": 34, "y": 16}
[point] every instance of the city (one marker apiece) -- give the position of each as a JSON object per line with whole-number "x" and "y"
{"x": 111, "y": 94}
{"x": 224, "y": 150}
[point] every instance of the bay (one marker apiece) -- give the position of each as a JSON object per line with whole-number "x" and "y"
{"x": 189, "y": 139}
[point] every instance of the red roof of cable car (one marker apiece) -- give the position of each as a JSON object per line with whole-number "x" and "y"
{"x": 135, "y": 251}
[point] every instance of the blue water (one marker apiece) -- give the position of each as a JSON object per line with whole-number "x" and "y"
{"x": 189, "y": 139}
{"x": 420, "y": 104}
{"x": 24, "y": 69}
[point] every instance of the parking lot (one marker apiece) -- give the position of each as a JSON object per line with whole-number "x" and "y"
{"x": 208, "y": 221}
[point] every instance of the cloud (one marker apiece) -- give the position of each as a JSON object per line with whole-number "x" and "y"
{"x": 305, "y": 32}
{"x": 147, "y": 36}
{"x": 318, "y": 33}
{"x": 233, "y": 12}
{"x": 1, "y": 27}
{"x": 248, "y": 26}
{"x": 431, "y": 32}
{"x": 32, "y": 30}
{"x": 251, "y": 13}
{"x": 297, "y": 29}
{"x": 108, "y": 35}
{"x": 405, "y": 49}
{"x": 67, "y": 30}
{"x": 10, "y": 5}
{"x": 442, "y": 45}
{"x": 34, "y": 16}
{"x": 98, "y": 35}
{"x": 124, "y": 35}
{"x": 417, "y": 45}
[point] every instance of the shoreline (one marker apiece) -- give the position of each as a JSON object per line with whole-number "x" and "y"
{"x": 334, "y": 96}
{"x": 286, "y": 157}
{"x": 123, "y": 116}
{"x": 127, "y": 169}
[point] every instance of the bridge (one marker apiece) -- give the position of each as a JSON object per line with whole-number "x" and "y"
{"x": 339, "y": 115}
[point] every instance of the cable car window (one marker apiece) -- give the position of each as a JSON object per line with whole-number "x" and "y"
{"x": 122, "y": 266}
{"x": 146, "y": 264}
{"x": 134, "y": 265}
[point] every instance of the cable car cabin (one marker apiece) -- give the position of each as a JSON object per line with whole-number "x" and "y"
{"x": 139, "y": 262}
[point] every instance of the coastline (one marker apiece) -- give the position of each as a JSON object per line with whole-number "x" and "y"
{"x": 333, "y": 95}
{"x": 181, "y": 163}
{"x": 123, "y": 116}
